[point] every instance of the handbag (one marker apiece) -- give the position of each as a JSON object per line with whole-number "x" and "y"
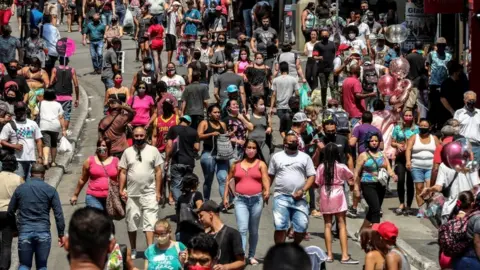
{"x": 187, "y": 217}
{"x": 114, "y": 204}
{"x": 382, "y": 176}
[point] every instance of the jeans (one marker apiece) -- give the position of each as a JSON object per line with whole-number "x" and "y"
{"x": 37, "y": 243}
{"x": 24, "y": 168}
{"x": 247, "y": 18}
{"x": 159, "y": 17}
{"x": 94, "y": 202}
{"x": 108, "y": 82}
{"x": 177, "y": 172}
{"x": 96, "y": 50}
{"x": 248, "y": 210}
{"x": 6, "y": 236}
{"x": 326, "y": 79}
{"x": 210, "y": 166}
{"x": 282, "y": 112}
{"x": 121, "y": 16}
{"x": 466, "y": 262}
{"x": 288, "y": 211}
{"x": 106, "y": 17}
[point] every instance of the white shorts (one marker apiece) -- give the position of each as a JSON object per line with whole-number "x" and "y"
{"x": 146, "y": 207}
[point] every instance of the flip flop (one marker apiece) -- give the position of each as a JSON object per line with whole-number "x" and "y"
{"x": 349, "y": 261}
{"x": 329, "y": 260}
{"x": 53, "y": 164}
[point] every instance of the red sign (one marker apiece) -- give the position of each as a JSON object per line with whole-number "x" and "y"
{"x": 443, "y": 6}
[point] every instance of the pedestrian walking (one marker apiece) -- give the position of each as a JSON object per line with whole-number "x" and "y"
{"x": 156, "y": 34}
{"x": 95, "y": 30}
{"x": 194, "y": 200}
{"x": 262, "y": 127}
{"x": 144, "y": 108}
{"x": 175, "y": 83}
{"x": 142, "y": 23}
{"x": 110, "y": 64}
{"x": 195, "y": 100}
{"x": 118, "y": 91}
{"x": 147, "y": 75}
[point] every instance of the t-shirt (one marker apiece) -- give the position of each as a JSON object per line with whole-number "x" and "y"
{"x": 141, "y": 175}
{"x": 453, "y": 92}
{"x": 9, "y": 181}
{"x": 284, "y": 86}
{"x": 363, "y": 31}
{"x": 200, "y": 67}
{"x": 156, "y": 6}
{"x": 402, "y": 135}
{"x": 193, "y": 96}
{"x": 49, "y": 113}
{"x": 361, "y": 132}
{"x": 174, "y": 85}
{"x": 417, "y": 65}
{"x": 184, "y": 138}
{"x": 218, "y": 58}
{"x": 191, "y": 27}
{"x": 437, "y": 155}
{"x": 109, "y": 60}
{"x": 142, "y": 108}
{"x": 264, "y": 39}
{"x": 96, "y": 32}
{"x": 225, "y": 80}
{"x": 290, "y": 171}
{"x": 26, "y": 134}
{"x": 337, "y": 63}
{"x": 164, "y": 259}
{"x": 172, "y": 23}
{"x": 344, "y": 148}
{"x": 285, "y": 123}
{"x": 353, "y": 106}
{"x": 357, "y": 45}
{"x": 328, "y": 52}
{"x": 230, "y": 244}
{"x": 8, "y": 48}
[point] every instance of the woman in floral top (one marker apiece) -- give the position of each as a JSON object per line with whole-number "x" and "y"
{"x": 120, "y": 257}
{"x": 401, "y": 133}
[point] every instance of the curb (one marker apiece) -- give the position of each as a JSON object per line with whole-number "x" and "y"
{"x": 63, "y": 160}
{"x": 414, "y": 258}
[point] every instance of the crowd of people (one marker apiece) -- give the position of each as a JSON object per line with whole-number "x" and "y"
{"x": 335, "y": 149}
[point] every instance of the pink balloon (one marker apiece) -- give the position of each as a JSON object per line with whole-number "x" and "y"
{"x": 457, "y": 155}
{"x": 386, "y": 84}
{"x": 399, "y": 68}
{"x": 400, "y": 95}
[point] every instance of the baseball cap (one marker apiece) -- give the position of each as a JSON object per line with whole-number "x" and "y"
{"x": 300, "y": 117}
{"x": 186, "y": 118}
{"x": 232, "y": 89}
{"x": 387, "y": 230}
{"x": 10, "y": 84}
{"x": 441, "y": 40}
{"x": 218, "y": 8}
{"x": 209, "y": 206}
{"x": 342, "y": 48}
{"x": 176, "y": 3}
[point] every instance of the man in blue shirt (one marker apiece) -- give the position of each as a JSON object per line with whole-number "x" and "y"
{"x": 31, "y": 202}
{"x": 36, "y": 16}
{"x": 96, "y": 31}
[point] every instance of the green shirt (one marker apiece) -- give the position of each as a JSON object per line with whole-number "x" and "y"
{"x": 164, "y": 259}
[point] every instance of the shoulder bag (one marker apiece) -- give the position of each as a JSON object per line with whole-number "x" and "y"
{"x": 114, "y": 205}
{"x": 382, "y": 176}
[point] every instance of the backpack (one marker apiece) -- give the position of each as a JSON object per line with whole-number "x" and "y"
{"x": 187, "y": 217}
{"x": 340, "y": 118}
{"x": 224, "y": 149}
{"x": 452, "y": 236}
{"x": 370, "y": 77}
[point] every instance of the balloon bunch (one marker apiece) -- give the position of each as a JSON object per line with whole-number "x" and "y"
{"x": 458, "y": 155}
{"x": 395, "y": 84}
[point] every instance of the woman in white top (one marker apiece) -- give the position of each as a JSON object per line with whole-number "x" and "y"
{"x": 419, "y": 155}
{"x": 308, "y": 51}
{"x": 51, "y": 123}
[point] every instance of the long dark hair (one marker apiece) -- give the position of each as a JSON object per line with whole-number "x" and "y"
{"x": 332, "y": 155}
{"x": 369, "y": 137}
{"x": 371, "y": 240}
{"x": 464, "y": 201}
{"x": 210, "y": 109}
{"x": 259, "y": 154}
{"x": 108, "y": 144}
{"x": 240, "y": 54}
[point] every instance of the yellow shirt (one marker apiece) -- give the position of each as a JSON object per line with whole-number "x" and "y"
{"x": 8, "y": 183}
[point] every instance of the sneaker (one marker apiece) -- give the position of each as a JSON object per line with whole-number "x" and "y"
{"x": 352, "y": 212}
{"x": 420, "y": 215}
{"x": 133, "y": 254}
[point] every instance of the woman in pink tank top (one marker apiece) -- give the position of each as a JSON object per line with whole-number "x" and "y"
{"x": 98, "y": 170}
{"x": 243, "y": 61}
{"x": 251, "y": 186}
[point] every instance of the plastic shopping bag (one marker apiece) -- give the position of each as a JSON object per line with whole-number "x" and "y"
{"x": 304, "y": 99}
{"x": 65, "y": 146}
{"x": 128, "y": 20}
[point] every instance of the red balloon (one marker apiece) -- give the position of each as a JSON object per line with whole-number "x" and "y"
{"x": 386, "y": 84}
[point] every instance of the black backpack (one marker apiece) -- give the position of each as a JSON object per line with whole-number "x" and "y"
{"x": 187, "y": 217}
{"x": 340, "y": 118}
{"x": 370, "y": 77}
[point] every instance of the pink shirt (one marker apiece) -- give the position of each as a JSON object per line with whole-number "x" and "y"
{"x": 142, "y": 108}
{"x": 242, "y": 66}
{"x": 385, "y": 121}
{"x": 334, "y": 201}
{"x": 98, "y": 182}
{"x": 353, "y": 106}
{"x": 248, "y": 182}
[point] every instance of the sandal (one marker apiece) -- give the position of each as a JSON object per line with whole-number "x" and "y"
{"x": 53, "y": 164}
{"x": 315, "y": 213}
{"x": 329, "y": 260}
{"x": 400, "y": 211}
{"x": 253, "y": 261}
{"x": 349, "y": 261}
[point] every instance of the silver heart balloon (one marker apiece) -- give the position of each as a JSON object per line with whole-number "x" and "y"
{"x": 396, "y": 33}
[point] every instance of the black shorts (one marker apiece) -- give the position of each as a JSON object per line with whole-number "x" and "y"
{"x": 50, "y": 138}
{"x": 171, "y": 42}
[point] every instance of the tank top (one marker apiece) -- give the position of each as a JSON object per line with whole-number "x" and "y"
{"x": 204, "y": 58}
{"x": 163, "y": 125}
{"x": 149, "y": 79}
{"x": 309, "y": 46}
{"x": 260, "y": 126}
{"x": 405, "y": 265}
{"x": 98, "y": 181}
{"x": 248, "y": 181}
{"x": 242, "y": 66}
{"x": 144, "y": 24}
{"x": 208, "y": 143}
{"x": 370, "y": 168}
{"x": 120, "y": 96}
{"x": 310, "y": 20}
{"x": 63, "y": 85}
{"x": 422, "y": 154}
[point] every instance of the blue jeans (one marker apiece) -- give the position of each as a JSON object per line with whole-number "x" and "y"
{"x": 468, "y": 261}
{"x": 121, "y": 16}
{"x": 247, "y": 18}
{"x": 94, "y": 202}
{"x": 287, "y": 210}
{"x": 37, "y": 243}
{"x": 282, "y": 112}
{"x": 177, "y": 172}
{"x": 106, "y": 17}
{"x": 248, "y": 210}
{"x": 210, "y": 166}
{"x": 24, "y": 168}
{"x": 96, "y": 51}
{"x": 108, "y": 82}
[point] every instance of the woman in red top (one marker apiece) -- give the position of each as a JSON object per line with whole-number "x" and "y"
{"x": 252, "y": 189}
{"x": 98, "y": 170}
{"x": 155, "y": 33}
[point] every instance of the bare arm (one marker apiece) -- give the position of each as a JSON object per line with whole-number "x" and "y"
{"x": 134, "y": 82}
{"x": 216, "y": 94}
{"x": 39, "y": 144}
{"x": 408, "y": 151}
{"x": 158, "y": 182}
{"x": 76, "y": 85}
{"x": 230, "y": 175}
{"x": 300, "y": 70}
{"x": 123, "y": 179}
{"x": 83, "y": 178}
{"x": 243, "y": 96}
{"x": 447, "y": 106}
{"x": 392, "y": 261}
{"x": 358, "y": 168}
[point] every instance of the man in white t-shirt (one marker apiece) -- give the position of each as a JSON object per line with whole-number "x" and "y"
{"x": 363, "y": 29}
{"x": 141, "y": 174}
{"x": 356, "y": 45}
{"x": 171, "y": 31}
{"x": 21, "y": 135}
{"x": 293, "y": 173}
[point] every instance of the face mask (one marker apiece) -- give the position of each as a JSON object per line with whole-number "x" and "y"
{"x": 12, "y": 71}
{"x": 331, "y": 136}
{"x": 21, "y": 116}
{"x": 163, "y": 240}
{"x": 259, "y": 62}
{"x": 198, "y": 267}
{"x": 10, "y": 99}
{"x": 471, "y": 105}
{"x": 204, "y": 44}
{"x": 266, "y": 26}
{"x": 171, "y": 72}
{"x": 101, "y": 150}
{"x": 324, "y": 38}
{"x": 222, "y": 42}
{"x": 148, "y": 67}
{"x": 243, "y": 57}
{"x": 96, "y": 21}
{"x": 352, "y": 36}
{"x": 139, "y": 142}
{"x": 242, "y": 42}
{"x": 251, "y": 153}
{"x": 370, "y": 19}
{"x": 118, "y": 81}
{"x": 424, "y": 130}
{"x": 141, "y": 92}
{"x": 34, "y": 34}
{"x": 261, "y": 108}
{"x": 292, "y": 146}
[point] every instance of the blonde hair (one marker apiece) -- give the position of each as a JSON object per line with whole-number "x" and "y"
{"x": 310, "y": 109}
{"x": 166, "y": 224}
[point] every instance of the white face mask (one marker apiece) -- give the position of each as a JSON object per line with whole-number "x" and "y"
{"x": 163, "y": 240}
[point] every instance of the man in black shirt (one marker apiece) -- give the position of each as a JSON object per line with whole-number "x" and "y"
{"x": 147, "y": 75}
{"x": 182, "y": 147}
{"x": 451, "y": 92}
{"x": 418, "y": 73}
{"x": 197, "y": 65}
{"x": 12, "y": 75}
{"x": 229, "y": 240}
{"x": 324, "y": 54}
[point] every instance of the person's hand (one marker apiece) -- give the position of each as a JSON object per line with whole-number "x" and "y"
{"x": 266, "y": 196}
{"x": 401, "y": 147}
{"x": 75, "y": 104}
{"x": 452, "y": 112}
{"x": 215, "y": 133}
{"x": 124, "y": 195}
{"x": 425, "y": 192}
{"x": 182, "y": 256}
{"x": 241, "y": 142}
{"x": 304, "y": 80}
{"x": 61, "y": 241}
{"x": 394, "y": 177}
{"x": 130, "y": 126}
{"x": 226, "y": 203}
{"x": 269, "y": 130}
{"x": 84, "y": 42}
{"x": 84, "y": 16}
{"x": 320, "y": 145}
{"x": 73, "y": 200}
{"x": 147, "y": 126}
{"x": 298, "y": 195}
{"x": 158, "y": 197}
{"x": 373, "y": 94}
{"x": 135, "y": 38}
{"x": 408, "y": 165}
{"x": 13, "y": 11}
{"x": 18, "y": 147}
{"x": 219, "y": 267}
{"x": 270, "y": 111}
{"x": 166, "y": 166}
{"x": 64, "y": 133}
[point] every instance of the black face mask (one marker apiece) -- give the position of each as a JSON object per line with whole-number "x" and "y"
{"x": 471, "y": 105}
{"x": 139, "y": 142}
{"x": 10, "y": 99}
{"x": 222, "y": 43}
{"x": 242, "y": 42}
{"x": 424, "y": 130}
{"x": 325, "y": 39}
{"x": 330, "y": 136}
{"x": 12, "y": 71}
{"x": 292, "y": 146}
{"x": 96, "y": 22}
{"x": 266, "y": 26}
{"x": 205, "y": 44}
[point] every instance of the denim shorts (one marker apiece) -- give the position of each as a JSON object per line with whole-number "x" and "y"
{"x": 287, "y": 210}
{"x": 67, "y": 109}
{"x": 421, "y": 175}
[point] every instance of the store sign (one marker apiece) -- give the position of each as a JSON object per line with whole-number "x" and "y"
{"x": 421, "y": 26}
{"x": 443, "y": 6}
